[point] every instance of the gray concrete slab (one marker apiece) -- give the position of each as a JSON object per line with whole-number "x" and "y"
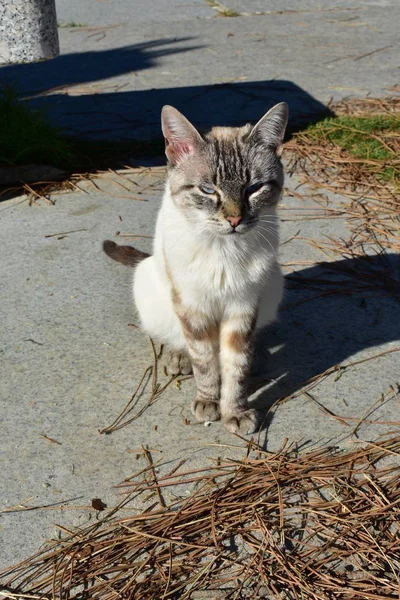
{"x": 114, "y": 75}
{"x": 97, "y": 13}
{"x": 69, "y": 359}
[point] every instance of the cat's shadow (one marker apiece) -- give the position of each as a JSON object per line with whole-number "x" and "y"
{"x": 330, "y": 312}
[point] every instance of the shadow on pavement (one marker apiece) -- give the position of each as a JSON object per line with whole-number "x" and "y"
{"x": 57, "y": 87}
{"x": 87, "y": 67}
{"x": 330, "y": 312}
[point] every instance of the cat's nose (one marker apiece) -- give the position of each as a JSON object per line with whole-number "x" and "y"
{"x": 234, "y": 221}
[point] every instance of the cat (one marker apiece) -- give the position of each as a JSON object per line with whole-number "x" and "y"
{"x": 213, "y": 277}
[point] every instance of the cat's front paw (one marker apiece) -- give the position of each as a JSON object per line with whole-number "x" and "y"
{"x": 206, "y": 410}
{"x": 243, "y": 422}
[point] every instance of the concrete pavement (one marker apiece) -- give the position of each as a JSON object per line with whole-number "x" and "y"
{"x": 70, "y": 360}
{"x": 123, "y": 60}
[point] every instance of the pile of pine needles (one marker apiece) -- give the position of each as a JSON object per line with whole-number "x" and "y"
{"x": 356, "y": 152}
{"x": 362, "y": 168}
{"x": 319, "y": 525}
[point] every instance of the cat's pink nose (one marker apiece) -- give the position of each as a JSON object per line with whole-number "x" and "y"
{"x": 234, "y": 221}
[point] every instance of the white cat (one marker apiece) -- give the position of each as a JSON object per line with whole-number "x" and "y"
{"x": 214, "y": 276}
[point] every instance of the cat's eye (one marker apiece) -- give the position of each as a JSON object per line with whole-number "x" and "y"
{"x": 207, "y": 189}
{"x": 252, "y": 189}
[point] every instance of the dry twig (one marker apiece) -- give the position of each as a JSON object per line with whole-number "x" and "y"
{"x": 321, "y": 525}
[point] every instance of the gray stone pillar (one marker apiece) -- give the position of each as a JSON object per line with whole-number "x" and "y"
{"x": 28, "y": 31}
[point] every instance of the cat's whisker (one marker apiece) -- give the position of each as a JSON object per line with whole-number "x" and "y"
{"x": 179, "y": 239}
{"x": 269, "y": 224}
{"x": 270, "y": 231}
{"x": 258, "y": 240}
{"x": 268, "y": 242}
{"x": 274, "y": 222}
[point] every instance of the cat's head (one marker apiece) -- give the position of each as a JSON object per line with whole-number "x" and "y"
{"x": 229, "y": 179}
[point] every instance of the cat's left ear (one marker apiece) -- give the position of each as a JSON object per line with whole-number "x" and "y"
{"x": 181, "y": 138}
{"x": 270, "y": 130}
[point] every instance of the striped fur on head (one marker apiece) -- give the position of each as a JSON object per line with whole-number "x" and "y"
{"x": 226, "y": 180}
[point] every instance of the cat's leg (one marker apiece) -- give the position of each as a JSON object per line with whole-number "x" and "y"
{"x": 202, "y": 343}
{"x": 236, "y": 350}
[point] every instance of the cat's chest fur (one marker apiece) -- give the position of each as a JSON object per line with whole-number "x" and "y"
{"x": 209, "y": 272}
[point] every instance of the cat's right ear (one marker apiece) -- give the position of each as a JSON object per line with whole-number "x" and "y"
{"x": 181, "y": 138}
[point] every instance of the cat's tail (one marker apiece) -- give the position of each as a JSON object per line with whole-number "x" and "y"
{"x": 124, "y": 254}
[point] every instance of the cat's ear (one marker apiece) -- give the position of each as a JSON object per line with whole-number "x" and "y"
{"x": 181, "y": 138}
{"x": 270, "y": 130}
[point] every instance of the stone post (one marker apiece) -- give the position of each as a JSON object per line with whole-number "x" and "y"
{"x": 28, "y": 31}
